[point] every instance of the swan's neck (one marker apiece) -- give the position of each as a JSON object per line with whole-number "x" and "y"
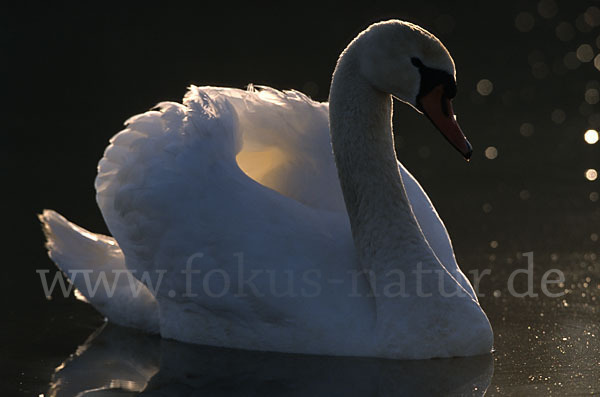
{"x": 385, "y": 232}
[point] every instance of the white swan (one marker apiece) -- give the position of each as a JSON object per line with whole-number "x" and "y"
{"x": 231, "y": 203}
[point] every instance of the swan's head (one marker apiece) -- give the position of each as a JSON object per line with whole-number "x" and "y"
{"x": 408, "y": 62}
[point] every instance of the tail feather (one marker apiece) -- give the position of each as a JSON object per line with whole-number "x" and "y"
{"x": 95, "y": 265}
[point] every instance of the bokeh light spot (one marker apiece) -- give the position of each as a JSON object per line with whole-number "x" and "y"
{"x": 594, "y": 197}
{"x": 597, "y": 62}
{"x": 491, "y": 152}
{"x": 591, "y": 136}
{"x": 485, "y": 87}
{"x": 524, "y": 194}
{"x": 527, "y": 129}
{"x": 494, "y": 244}
{"x": 594, "y": 119}
{"x": 581, "y": 24}
{"x": 591, "y": 174}
{"x": 592, "y": 96}
{"x": 585, "y": 53}
{"x": 547, "y": 8}
{"x": 592, "y": 16}
{"x": 558, "y": 116}
{"x": 565, "y": 31}
{"x": 524, "y": 22}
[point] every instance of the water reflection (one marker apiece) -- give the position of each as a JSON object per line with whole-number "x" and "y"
{"x": 121, "y": 360}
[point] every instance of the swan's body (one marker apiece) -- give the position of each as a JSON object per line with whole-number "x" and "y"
{"x": 232, "y": 204}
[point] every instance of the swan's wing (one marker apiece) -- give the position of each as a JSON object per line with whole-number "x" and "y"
{"x": 285, "y": 144}
{"x": 173, "y": 196}
{"x": 182, "y": 161}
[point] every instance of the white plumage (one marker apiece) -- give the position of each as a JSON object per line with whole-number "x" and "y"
{"x": 235, "y": 183}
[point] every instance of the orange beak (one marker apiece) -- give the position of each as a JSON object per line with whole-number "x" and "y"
{"x": 438, "y": 108}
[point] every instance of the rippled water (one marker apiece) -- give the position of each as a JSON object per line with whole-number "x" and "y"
{"x": 528, "y": 78}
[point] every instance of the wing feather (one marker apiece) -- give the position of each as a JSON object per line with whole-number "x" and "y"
{"x": 189, "y": 182}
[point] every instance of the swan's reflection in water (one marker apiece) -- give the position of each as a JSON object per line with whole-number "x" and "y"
{"x": 120, "y": 361}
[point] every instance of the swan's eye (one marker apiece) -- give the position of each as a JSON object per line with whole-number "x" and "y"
{"x": 431, "y": 78}
{"x": 417, "y": 62}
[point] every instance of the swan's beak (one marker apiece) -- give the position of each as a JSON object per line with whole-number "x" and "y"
{"x": 438, "y": 108}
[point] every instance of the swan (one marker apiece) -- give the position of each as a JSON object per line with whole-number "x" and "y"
{"x": 260, "y": 219}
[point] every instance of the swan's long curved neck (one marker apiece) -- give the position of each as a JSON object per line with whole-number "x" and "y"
{"x": 383, "y": 225}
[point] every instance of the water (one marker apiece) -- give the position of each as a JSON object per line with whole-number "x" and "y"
{"x": 542, "y": 345}
{"x": 527, "y": 95}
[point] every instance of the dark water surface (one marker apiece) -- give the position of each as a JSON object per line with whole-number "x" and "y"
{"x": 76, "y": 74}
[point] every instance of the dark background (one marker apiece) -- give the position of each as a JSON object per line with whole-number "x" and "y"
{"x": 73, "y": 74}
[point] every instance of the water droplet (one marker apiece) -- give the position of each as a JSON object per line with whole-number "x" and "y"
{"x": 497, "y": 293}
